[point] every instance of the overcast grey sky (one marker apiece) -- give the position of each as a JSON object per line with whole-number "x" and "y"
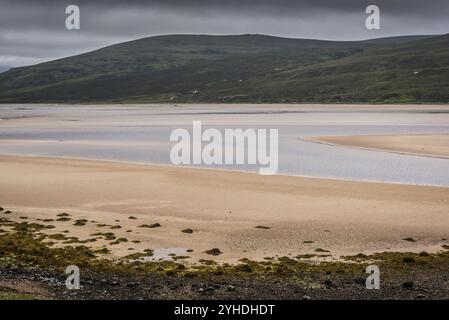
{"x": 34, "y": 31}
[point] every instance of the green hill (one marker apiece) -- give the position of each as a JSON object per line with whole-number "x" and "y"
{"x": 246, "y": 68}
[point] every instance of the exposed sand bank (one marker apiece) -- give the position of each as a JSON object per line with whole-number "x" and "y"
{"x": 432, "y": 145}
{"x": 223, "y": 209}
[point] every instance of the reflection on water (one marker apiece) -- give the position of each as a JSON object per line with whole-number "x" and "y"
{"x": 140, "y": 134}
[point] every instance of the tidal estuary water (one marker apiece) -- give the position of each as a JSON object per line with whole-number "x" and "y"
{"x": 140, "y": 134}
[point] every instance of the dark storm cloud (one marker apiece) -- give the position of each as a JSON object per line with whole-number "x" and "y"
{"x": 419, "y": 6}
{"x": 34, "y": 31}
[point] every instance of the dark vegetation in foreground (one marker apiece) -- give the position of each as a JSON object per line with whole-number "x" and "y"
{"x": 246, "y": 68}
{"x": 32, "y": 268}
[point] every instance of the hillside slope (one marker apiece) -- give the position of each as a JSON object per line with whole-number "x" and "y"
{"x": 246, "y": 68}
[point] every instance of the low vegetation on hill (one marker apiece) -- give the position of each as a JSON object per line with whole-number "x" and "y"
{"x": 246, "y": 68}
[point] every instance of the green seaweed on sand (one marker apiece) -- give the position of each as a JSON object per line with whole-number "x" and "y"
{"x": 80, "y": 222}
{"x": 63, "y": 215}
{"x": 154, "y": 225}
{"x": 96, "y": 234}
{"x": 88, "y": 240}
{"x": 207, "y": 262}
{"x": 136, "y": 256}
{"x": 306, "y": 256}
{"x": 213, "y": 252}
{"x": 102, "y": 251}
{"x": 30, "y": 227}
{"x": 262, "y": 227}
{"x": 118, "y": 241}
{"x": 4, "y": 221}
{"x": 139, "y": 255}
{"x": 176, "y": 258}
{"x": 5, "y": 296}
{"x": 71, "y": 240}
{"x": 58, "y": 236}
{"x": 108, "y": 236}
{"x": 24, "y": 245}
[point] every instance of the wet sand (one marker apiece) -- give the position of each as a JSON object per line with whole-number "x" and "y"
{"x": 430, "y": 145}
{"x": 223, "y": 209}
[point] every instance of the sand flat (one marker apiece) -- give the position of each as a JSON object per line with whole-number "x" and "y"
{"x": 436, "y": 145}
{"x": 223, "y": 208}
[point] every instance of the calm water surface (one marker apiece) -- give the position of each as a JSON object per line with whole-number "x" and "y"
{"x": 141, "y": 134}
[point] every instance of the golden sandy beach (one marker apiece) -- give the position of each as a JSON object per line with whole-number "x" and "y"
{"x": 223, "y": 209}
{"x": 434, "y": 145}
